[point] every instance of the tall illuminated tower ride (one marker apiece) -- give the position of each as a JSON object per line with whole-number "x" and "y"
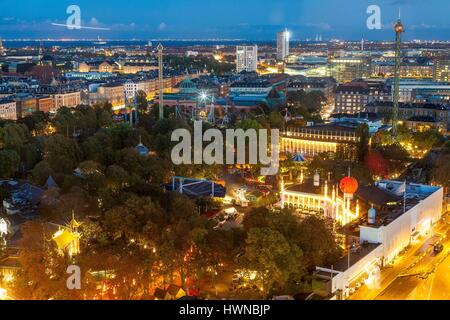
{"x": 399, "y": 29}
{"x": 161, "y": 81}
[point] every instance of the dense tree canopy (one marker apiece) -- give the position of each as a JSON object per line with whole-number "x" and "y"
{"x": 136, "y": 236}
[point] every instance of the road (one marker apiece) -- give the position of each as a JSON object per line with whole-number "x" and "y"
{"x": 418, "y": 274}
{"x": 429, "y": 279}
{"x": 327, "y": 111}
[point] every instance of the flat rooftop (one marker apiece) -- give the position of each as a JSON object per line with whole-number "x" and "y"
{"x": 356, "y": 254}
{"x": 389, "y": 198}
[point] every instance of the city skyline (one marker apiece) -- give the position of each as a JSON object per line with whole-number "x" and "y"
{"x": 179, "y": 19}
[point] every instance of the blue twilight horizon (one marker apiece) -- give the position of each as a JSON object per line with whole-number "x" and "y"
{"x": 226, "y": 19}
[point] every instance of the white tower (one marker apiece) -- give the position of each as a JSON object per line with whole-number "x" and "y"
{"x": 283, "y": 44}
{"x": 246, "y": 58}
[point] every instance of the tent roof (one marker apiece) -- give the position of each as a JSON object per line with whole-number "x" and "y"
{"x": 51, "y": 183}
{"x": 298, "y": 158}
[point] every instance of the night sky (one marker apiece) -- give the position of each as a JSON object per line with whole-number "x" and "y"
{"x": 225, "y": 19}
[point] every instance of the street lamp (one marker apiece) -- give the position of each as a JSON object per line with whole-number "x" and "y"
{"x": 3, "y": 294}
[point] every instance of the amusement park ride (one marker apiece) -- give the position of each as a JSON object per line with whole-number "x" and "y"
{"x": 399, "y": 29}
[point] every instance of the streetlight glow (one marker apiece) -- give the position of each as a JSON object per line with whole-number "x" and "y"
{"x": 3, "y": 294}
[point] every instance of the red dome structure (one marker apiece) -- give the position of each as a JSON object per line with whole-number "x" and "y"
{"x": 349, "y": 185}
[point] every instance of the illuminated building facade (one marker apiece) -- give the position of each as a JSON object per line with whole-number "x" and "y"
{"x": 246, "y": 58}
{"x": 308, "y": 84}
{"x": 186, "y": 99}
{"x": 442, "y": 69}
{"x": 346, "y": 69}
{"x": 401, "y": 223}
{"x": 8, "y": 109}
{"x": 307, "y": 65}
{"x": 26, "y": 105}
{"x": 69, "y": 99}
{"x": 110, "y": 92}
{"x": 352, "y": 97}
{"x": 44, "y": 103}
{"x": 103, "y": 66}
{"x": 407, "y": 70}
{"x": 403, "y": 213}
{"x": 283, "y": 44}
{"x": 323, "y": 199}
{"x": 114, "y": 92}
{"x": 127, "y": 67}
{"x": 311, "y": 141}
{"x": 424, "y": 123}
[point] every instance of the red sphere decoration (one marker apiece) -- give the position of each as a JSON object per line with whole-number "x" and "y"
{"x": 349, "y": 185}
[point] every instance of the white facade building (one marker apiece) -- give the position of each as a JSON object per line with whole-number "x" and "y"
{"x": 8, "y": 109}
{"x": 423, "y": 209}
{"x": 382, "y": 239}
{"x": 283, "y": 44}
{"x": 131, "y": 88}
{"x": 246, "y": 58}
{"x": 66, "y": 99}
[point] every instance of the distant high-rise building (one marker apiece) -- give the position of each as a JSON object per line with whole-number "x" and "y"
{"x": 283, "y": 44}
{"x": 246, "y": 58}
{"x": 442, "y": 69}
{"x": 2, "y": 49}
